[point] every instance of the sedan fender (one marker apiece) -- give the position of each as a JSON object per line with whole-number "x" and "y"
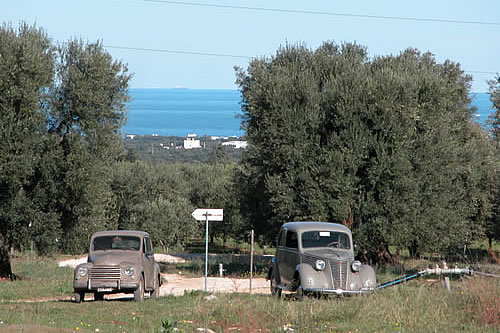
{"x": 273, "y": 267}
{"x": 311, "y": 278}
{"x": 367, "y": 275}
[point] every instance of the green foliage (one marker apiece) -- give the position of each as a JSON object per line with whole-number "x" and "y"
{"x": 163, "y": 149}
{"x": 493, "y": 228}
{"x": 26, "y": 69}
{"x": 168, "y": 326}
{"x": 61, "y": 109}
{"x": 386, "y": 144}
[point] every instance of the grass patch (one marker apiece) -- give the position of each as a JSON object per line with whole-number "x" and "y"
{"x": 473, "y": 305}
{"x": 37, "y": 277}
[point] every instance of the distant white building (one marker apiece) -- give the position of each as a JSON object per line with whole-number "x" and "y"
{"x": 236, "y": 144}
{"x": 218, "y": 138}
{"x": 130, "y": 136}
{"x": 191, "y": 142}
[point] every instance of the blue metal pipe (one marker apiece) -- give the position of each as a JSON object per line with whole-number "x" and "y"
{"x": 398, "y": 281}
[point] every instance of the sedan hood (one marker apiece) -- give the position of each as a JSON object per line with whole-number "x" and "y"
{"x": 330, "y": 253}
{"x": 114, "y": 257}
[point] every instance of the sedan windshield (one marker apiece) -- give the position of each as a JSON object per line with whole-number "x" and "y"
{"x": 334, "y": 239}
{"x": 116, "y": 243}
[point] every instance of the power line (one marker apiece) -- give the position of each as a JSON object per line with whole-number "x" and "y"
{"x": 483, "y": 72}
{"x": 178, "y": 52}
{"x": 295, "y": 11}
{"x": 220, "y": 55}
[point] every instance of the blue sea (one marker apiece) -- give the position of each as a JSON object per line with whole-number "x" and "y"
{"x": 179, "y": 112}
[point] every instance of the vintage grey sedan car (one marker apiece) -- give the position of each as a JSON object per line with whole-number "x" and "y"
{"x": 317, "y": 258}
{"x": 119, "y": 261}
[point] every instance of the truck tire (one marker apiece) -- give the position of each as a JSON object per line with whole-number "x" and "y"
{"x": 139, "y": 292}
{"x": 79, "y": 296}
{"x": 156, "y": 291}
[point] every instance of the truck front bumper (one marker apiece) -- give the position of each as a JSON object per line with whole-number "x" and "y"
{"x": 108, "y": 286}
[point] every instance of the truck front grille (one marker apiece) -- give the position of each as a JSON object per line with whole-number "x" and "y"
{"x": 339, "y": 273}
{"x": 105, "y": 273}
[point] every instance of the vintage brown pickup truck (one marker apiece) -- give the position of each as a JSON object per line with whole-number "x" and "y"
{"x": 119, "y": 261}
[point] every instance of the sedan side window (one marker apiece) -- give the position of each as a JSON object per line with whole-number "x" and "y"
{"x": 291, "y": 239}
{"x": 282, "y": 238}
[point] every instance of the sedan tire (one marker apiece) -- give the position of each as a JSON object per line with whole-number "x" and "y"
{"x": 275, "y": 290}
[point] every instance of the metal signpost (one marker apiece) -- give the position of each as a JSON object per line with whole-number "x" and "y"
{"x": 205, "y": 214}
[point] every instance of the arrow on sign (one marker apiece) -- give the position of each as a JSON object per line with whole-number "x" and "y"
{"x": 201, "y": 214}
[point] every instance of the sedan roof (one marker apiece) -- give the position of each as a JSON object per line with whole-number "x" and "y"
{"x": 310, "y": 225}
{"x": 121, "y": 233}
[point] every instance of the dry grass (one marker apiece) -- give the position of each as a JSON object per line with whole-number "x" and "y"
{"x": 483, "y": 300}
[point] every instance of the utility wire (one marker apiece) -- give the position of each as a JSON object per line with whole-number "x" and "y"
{"x": 220, "y": 55}
{"x": 295, "y": 11}
{"x": 177, "y": 51}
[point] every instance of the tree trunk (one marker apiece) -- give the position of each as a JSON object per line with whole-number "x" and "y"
{"x": 5, "y": 268}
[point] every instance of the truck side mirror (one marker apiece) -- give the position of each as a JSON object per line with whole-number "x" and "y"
{"x": 356, "y": 249}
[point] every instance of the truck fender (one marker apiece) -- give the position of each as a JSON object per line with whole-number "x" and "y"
{"x": 310, "y": 277}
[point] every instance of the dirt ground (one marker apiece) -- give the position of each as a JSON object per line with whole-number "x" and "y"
{"x": 176, "y": 284}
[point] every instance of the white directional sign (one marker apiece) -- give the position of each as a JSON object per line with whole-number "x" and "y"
{"x": 201, "y": 214}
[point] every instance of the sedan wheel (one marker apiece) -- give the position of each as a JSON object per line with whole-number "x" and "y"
{"x": 139, "y": 292}
{"x": 275, "y": 290}
{"x": 301, "y": 295}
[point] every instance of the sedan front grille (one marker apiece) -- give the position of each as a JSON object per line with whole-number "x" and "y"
{"x": 105, "y": 273}
{"x": 338, "y": 270}
{"x": 339, "y": 273}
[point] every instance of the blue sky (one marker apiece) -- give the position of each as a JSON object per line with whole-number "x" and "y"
{"x": 243, "y": 33}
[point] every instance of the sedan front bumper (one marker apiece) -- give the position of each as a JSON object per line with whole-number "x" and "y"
{"x": 339, "y": 292}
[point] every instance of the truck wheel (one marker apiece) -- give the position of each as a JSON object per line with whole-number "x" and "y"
{"x": 275, "y": 290}
{"x": 156, "y": 291}
{"x": 139, "y": 292}
{"x": 98, "y": 297}
{"x": 79, "y": 296}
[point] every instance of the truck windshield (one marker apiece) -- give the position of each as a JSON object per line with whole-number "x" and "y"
{"x": 104, "y": 243}
{"x": 318, "y": 238}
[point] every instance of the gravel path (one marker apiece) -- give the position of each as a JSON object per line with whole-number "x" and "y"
{"x": 177, "y": 284}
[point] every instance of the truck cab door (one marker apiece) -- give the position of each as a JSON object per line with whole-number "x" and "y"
{"x": 149, "y": 263}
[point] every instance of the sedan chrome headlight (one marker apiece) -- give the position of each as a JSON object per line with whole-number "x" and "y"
{"x": 320, "y": 265}
{"x": 82, "y": 271}
{"x": 129, "y": 271}
{"x": 356, "y": 265}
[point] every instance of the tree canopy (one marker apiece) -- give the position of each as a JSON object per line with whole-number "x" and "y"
{"x": 386, "y": 144}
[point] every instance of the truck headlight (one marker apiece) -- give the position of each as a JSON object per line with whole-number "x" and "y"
{"x": 320, "y": 265}
{"x": 82, "y": 271}
{"x": 129, "y": 271}
{"x": 356, "y": 265}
